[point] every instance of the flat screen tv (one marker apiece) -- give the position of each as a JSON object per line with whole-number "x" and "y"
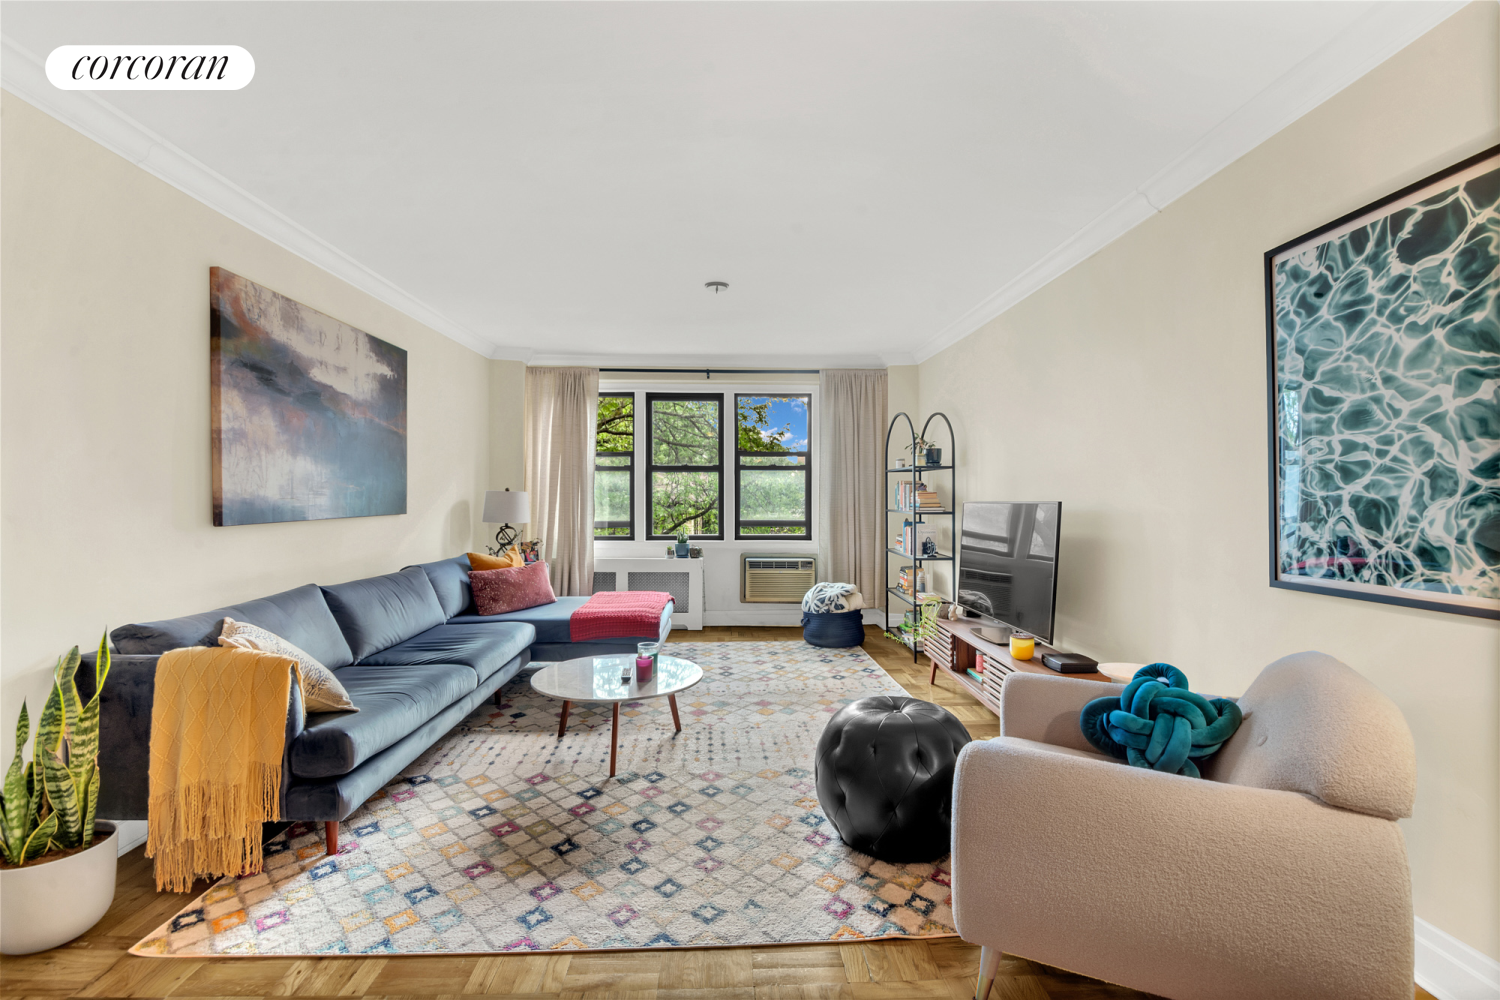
{"x": 1007, "y": 563}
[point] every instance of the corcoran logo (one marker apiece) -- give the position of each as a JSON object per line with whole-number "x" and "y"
{"x": 150, "y": 67}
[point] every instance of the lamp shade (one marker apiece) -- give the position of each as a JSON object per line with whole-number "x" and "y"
{"x": 506, "y": 507}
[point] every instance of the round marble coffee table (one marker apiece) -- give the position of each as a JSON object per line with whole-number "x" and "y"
{"x": 598, "y": 678}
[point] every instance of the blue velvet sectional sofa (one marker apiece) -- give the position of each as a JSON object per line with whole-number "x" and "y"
{"x": 409, "y": 647}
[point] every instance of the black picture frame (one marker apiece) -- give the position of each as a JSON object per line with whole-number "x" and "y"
{"x": 1370, "y": 215}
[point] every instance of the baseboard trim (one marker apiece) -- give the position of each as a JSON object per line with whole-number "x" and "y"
{"x": 132, "y": 834}
{"x": 1451, "y": 970}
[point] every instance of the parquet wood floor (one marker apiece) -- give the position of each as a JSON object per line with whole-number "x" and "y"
{"x": 96, "y": 965}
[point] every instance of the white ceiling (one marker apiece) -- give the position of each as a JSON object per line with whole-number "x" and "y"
{"x": 556, "y": 181}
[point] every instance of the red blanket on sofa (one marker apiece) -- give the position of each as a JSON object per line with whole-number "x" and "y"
{"x": 616, "y": 614}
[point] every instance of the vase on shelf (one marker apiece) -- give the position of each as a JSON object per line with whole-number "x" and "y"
{"x": 934, "y": 456}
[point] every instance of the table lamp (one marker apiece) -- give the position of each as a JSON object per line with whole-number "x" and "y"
{"x": 503, "y": 507}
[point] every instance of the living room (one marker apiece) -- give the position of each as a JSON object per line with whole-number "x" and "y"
{"x": 1053, "y": 224}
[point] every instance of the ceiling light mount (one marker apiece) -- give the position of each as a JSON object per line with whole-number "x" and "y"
{"x": 717, "y": 286}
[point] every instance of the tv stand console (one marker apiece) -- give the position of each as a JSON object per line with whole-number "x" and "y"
{"x": 951, "y": 648}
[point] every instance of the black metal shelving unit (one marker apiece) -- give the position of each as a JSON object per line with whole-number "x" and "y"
{"x": 917, "y": 474}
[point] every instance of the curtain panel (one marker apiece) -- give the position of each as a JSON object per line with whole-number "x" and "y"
{"x": 853, "y": 401}
{"x": 562, "y": 406}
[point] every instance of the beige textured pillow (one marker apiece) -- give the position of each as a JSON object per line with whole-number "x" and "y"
{"x": 320, "y": 689}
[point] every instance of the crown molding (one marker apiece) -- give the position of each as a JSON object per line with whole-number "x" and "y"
{"x": 24, "y": 75}
{"x": 690, "y": 362}
{"x": 1380, "y": 33}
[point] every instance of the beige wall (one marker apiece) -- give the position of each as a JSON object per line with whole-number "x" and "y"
{"x": 105, "y": 423}
{"x": 1133, "y": 389}
{"x": 507, "y": 417}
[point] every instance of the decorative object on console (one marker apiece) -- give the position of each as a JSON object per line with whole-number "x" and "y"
{"x": 308, "y": 413}
{"x": 321, "y": 690}
{"x": 1022, "y": 645}
{"x": 503, "y": 507}
{"x": 218, "y": 737}
{"x": 48, "y": 834}
{"x": 684, "y": 549}
{"x": 511, "y": 558}
{"x": 1157, "y": 722}
{"x": 884, "y": 774}
{"x": 502, "y": 591}
{"x": 1070, "y": 663}
{"x": 1385, "y": 480}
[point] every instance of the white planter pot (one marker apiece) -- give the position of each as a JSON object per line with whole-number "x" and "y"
{"x": 45, "y": 905}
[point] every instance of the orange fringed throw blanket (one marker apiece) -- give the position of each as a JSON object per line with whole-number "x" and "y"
{"x": 218, "y": 729}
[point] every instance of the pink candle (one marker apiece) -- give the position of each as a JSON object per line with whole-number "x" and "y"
{"x": 642, "y": 669}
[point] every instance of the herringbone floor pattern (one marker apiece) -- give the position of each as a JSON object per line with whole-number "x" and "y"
{"x": 97, "y": 965}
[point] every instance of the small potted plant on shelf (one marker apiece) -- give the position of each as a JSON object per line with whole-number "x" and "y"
{"x": 57, "y": 864}
{"x": 684, "y": 550}
{"x": 924, "y": 453}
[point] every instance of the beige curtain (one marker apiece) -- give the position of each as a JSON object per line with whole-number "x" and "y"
{"x": 562, "y": 406}
{"x": 853, "y": 401}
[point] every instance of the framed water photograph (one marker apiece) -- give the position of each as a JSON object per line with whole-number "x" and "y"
{"x": 1383, "y": 355}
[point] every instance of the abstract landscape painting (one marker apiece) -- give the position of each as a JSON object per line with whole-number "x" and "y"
{"x": 1385, "y": 398}
{"x": 309, "y": 414}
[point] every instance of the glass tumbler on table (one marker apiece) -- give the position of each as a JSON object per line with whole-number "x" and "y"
{"x": 645, "y": 660}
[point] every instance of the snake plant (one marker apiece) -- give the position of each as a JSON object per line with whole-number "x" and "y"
{"x": 49, "y": 801}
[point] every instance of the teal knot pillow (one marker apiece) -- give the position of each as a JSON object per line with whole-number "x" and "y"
{"x": 1158, "y": 723}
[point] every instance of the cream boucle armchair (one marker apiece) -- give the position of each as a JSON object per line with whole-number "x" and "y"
{"x": 1280, "y": 873}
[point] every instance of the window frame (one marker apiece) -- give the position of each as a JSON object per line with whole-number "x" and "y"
{"x": 651, "y": 468}
{"x": 628, "y": 468}
{"x": 806, "y": 523}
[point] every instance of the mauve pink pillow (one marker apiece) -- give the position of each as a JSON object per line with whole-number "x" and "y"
{"x": 501, "y": 591}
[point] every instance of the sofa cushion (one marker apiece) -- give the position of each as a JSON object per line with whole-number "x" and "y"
{"x": 378, "y": 612}
{"x": 450, "y": 581}
{"x": 392, "y": 701}
{"x": 486, "y": 648}
{"x": 511, "y": 558}
{"x": 501, "y": 591}
{"x": 299, "y": 616}
{"x": 549, "y": 620}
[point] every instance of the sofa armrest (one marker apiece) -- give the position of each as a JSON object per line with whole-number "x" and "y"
{"x": 1045, "y": 708}
{"x": 1174, "y": 885}
{"x": 125, "y": 732}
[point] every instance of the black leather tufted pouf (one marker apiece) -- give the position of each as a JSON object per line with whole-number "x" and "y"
{"x": 885, "y": 776}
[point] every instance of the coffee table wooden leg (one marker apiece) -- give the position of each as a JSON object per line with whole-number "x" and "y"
{"x": 562, "y": 725}
{"x": 614, "y": 735}
{"x": 676, "y": 719}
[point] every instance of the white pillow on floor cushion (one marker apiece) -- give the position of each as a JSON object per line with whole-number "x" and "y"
{"x": 321, "y": 691}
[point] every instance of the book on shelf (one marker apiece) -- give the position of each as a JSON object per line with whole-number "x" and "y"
{"x": 910, "y": 496}
{"x": 976, "y": 675}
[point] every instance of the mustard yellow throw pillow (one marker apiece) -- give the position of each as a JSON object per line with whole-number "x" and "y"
{"x": 509, "y": 559}
{"x": 321, "y": 690}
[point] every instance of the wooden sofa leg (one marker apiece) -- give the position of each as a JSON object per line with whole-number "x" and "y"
{"x": 989, "y": 964}
{"x": 331, "y": 838}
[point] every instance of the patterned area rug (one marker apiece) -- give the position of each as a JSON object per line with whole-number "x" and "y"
{"x": 504, "y": 838}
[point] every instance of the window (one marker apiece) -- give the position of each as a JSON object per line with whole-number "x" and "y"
{"x": 772, "y": 456}
{"x": 685, "y": 468}
{"x": 614, "y": 467}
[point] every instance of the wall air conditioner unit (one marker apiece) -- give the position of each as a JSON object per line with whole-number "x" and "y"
{"x": 776, "y": 579}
